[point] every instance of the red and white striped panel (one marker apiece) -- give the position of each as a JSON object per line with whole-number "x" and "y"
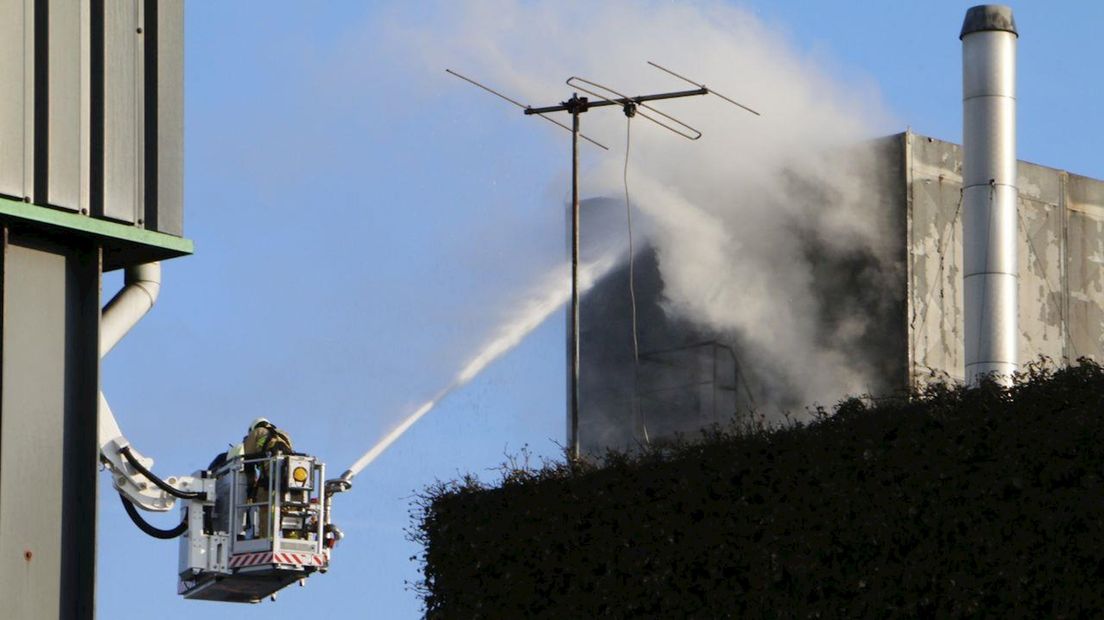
{"x": 283, "y": 557}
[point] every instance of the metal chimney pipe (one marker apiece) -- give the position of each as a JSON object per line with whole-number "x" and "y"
{"x": 989, "y": 194}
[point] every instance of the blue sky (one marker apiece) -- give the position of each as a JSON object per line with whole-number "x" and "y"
{"x": 364, "y": 221}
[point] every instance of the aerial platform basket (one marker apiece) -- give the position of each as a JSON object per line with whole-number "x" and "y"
{"x": 268, "y": 528}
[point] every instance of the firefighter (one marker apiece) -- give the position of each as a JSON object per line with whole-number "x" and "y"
{"x": 263, "y": 439}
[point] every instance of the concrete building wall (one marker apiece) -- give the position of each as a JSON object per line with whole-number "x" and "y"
{"x": 1061, "y": 246}
{"x": 676, "y": 389}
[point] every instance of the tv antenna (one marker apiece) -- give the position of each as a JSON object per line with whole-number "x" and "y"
{"x": 575, "y": 106}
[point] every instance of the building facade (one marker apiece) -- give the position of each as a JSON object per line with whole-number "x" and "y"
{"x": 91, "y": 180}
{"x": 687, "y": 377}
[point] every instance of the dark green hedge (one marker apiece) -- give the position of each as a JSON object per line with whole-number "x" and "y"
{"x": 956, "y": 503}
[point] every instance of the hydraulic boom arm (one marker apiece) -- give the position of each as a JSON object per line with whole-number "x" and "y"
{"x": 130, "y": 470}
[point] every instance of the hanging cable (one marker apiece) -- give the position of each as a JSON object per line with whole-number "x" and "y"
{"x": 630, "y": 111}
{"x": 628, "y": 219}
{"x": 148, "y": 528}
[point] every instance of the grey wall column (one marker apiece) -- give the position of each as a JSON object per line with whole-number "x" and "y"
{"x": 48, "y": 405}
{"x": 990, "y": 196}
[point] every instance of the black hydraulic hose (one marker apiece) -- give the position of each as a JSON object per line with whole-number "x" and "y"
{"x": 161, "y": 484}
{"x": 145, "y": 526}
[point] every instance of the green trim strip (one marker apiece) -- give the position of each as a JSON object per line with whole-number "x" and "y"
{"x": 93, "y": 226}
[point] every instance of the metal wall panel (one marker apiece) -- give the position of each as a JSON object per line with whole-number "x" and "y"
{"x": 47, "y": 431}
{"x": 31, "y": 426}
{"x": 16, "y": 96}
{"x": 165, "y": 117}
{"x": 68, "y": 119}
{"x": 122, "y": 109}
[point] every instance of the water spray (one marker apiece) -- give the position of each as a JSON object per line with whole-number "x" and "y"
{"x": 554, "y": 294}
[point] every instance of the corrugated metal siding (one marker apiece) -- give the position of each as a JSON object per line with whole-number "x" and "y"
{"x": 16, "y": 96}
{"x": 122, "y": 109}
{"x": 74, "y": 132}
{"x": 68, "y": 105}
{"x": 165, "y": 117}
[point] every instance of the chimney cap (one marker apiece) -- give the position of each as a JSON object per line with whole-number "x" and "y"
{"x": 988, "y": 17}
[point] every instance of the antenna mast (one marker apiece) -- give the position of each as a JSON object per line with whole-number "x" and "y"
{"x": 575, "y": 106}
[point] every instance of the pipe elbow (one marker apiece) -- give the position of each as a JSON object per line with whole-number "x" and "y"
{"x": 142, "y": 286}
{"x": 147, "y": 277}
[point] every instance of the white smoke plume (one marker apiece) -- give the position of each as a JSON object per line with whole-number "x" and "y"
{"x": 734, "y": 215}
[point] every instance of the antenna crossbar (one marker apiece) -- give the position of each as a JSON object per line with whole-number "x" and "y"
{"x": 567, "y": 105}
{"x": 632, "y": 108}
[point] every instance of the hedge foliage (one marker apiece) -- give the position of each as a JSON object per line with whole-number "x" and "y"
{"x": 953, "y": 503}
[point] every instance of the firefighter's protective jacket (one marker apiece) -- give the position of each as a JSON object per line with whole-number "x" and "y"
{"x": 266, "y": 439}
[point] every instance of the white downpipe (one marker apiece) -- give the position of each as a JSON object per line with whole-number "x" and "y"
{"x": 141, "y": 286}
{"x": 989, "y": 194}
